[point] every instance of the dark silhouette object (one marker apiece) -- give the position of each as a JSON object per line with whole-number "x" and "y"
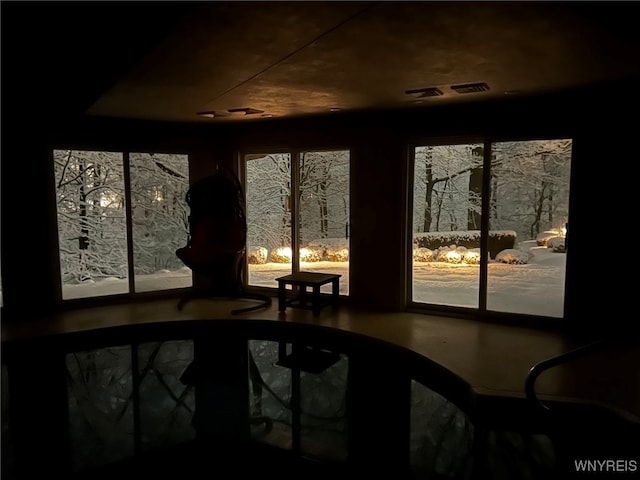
{"x": 195, "y": 374}
{"x": 217, "y": 238}
{"x": 586, "y": 430}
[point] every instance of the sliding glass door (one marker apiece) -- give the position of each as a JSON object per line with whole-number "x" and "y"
{"x": 447, "y": 199}
{"x": 121, "y": 216}
{"x": 530, "y": 192}
{"x": 489, "y": 225}
{"x": 297, "y": 215}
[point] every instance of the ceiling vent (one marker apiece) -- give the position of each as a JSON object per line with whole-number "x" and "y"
{"x": 424, "y": 92}
{"x": 471, "y": 87}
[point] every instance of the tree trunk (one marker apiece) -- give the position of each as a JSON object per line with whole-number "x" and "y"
{"x": 475, "y": 192}
{"x": 475, "y": 196}
{"x": 428, "y": 178}
{"x": 324, "y": 209}
{"x": 538, "y": 211}
{"x": 83, "y": 239}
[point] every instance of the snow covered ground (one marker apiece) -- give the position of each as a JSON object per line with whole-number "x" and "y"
{"x": 535, "y": 288}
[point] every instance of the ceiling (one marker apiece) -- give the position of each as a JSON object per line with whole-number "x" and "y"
{"x": 248, "y": 60}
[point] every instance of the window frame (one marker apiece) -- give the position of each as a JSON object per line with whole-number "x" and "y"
{"x": 126, "y": 178}
{"x": 481, "y": 312}
{"x": 295, "y": 153}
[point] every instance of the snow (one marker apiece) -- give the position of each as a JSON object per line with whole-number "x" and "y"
{"x": 161, "y": 280}
{"x": 456, "y": 235}
{"x": 535, "y": 287}
{"x": 513, "y": 256}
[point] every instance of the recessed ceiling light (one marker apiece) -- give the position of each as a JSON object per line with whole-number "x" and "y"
{"x": 335, "y": 109}
{"x": 212, "y": 114}
{"x": 245, "y": 110}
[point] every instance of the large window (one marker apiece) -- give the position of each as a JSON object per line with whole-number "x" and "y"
{"x": 489, "y": 225}
{"x": 297, "y": 215}
{"x": 121, "y": 217}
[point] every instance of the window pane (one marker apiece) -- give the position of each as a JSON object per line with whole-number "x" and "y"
{"x": 446, "y": 224}
{"x": 324, "y": 215}
{"x": 530, "y": 198}
{"x": 268, "y": 192}
{"x": 159, "y": 183}
{"x": 91, "y": 223}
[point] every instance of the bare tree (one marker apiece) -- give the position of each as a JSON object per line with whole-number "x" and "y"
{"x": 92, "y": 227}
{"x": 529, "y": 186}
{"x": 323, "y": 197}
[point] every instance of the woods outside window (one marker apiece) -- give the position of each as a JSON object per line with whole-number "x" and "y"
{"x": 489, "y": 225}
{"x": 121, "y": 216}
{"x": 297, "y": 215}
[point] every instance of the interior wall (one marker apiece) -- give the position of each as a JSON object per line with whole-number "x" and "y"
{"x": 377, "y": 276}
{"x": 27, "y": 262}
{"x": 601, "y": 288}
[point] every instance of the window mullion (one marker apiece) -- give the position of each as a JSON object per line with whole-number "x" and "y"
{"x": 129, "y": 224}
{"x": 241, "y": 168}
{"x": 484, "y": 226}
{"x": 295, "y": 211}
{"x": 409, "y": 206}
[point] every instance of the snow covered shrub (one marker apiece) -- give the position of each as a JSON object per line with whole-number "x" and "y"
{"x": 472, "y": 256}
{"x": 513, "y": 256}
{"x": 557, "y": 244}
{"x": 281, "y": 255}
{"x": 440, "y": 254}
{"x": 310, "y": 254}
{"x": 338, "y": 254}
{"x": 498, "y": 239}
{"x": 451, "y": 254}
{"x": 332, "y": 249}
{"x": 543, "y": 237}
{"x": 257, "y": 255}
{"x": 422, "y": 254}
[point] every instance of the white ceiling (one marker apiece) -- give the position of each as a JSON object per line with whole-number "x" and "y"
{"x": 300, "y": 58}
